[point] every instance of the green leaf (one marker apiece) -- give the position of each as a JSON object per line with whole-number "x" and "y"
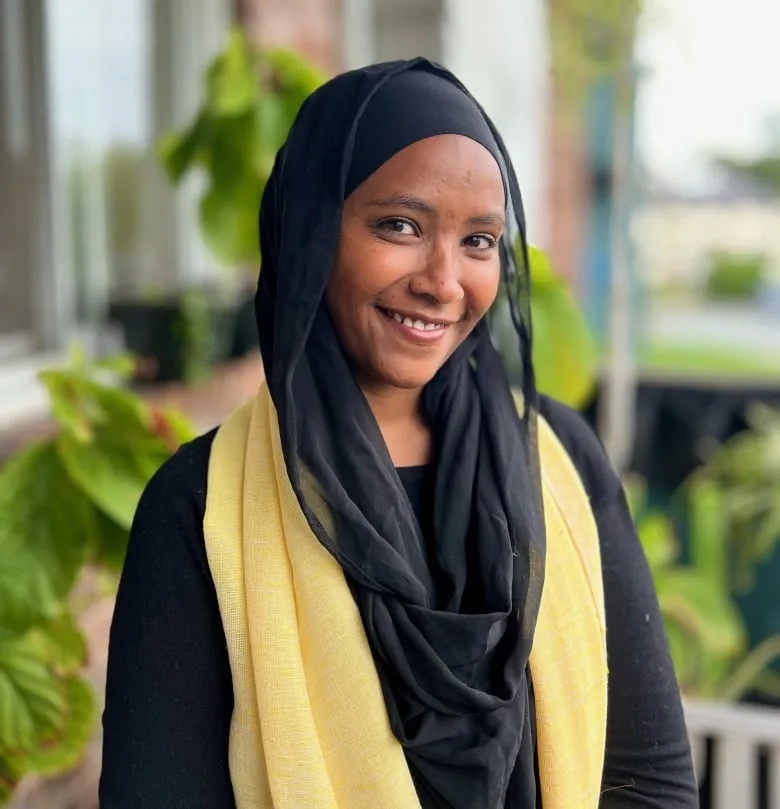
{"x": 173, "y": 427}
{"x": 565, "y": 355}
{"x": 120, "y": 365}
{"x": 750, "y": 670}
{"x": 540, "y": 269}
{"x": 67, "y": 403}
{"x": 180, "y": 151}
{"x": 110, "y": 474}
{"x": 126, "y": 446}
{"x": 682, "y": 657}
{"x": 47, "y": 533}
{"x": 659, "y": 542}
{"x": 32, "y": 699}
{"x": 231, "y": 160}
{"x": 63, "y": 750}
{"x": 61, "y": 644}
{"x": 229, "y": 223}
{"x": 709, "y": 542}
{"x": 700, "y": 609}
{"x": 272, "y": 124}
{"x": 231, "y": 84}
{"x": 113, "y": 542}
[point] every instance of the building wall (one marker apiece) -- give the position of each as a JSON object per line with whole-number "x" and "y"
{"x": 500, "y": 54}
{"x": 312, "y": 27}
{"x": 567, "y": 196}
{"x": 26, "y": 286}
{"x": 675, "y": 239}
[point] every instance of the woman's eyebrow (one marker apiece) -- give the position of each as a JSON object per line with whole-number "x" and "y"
{"x": 401, "y": 200}
{"x": 488, "y": 219}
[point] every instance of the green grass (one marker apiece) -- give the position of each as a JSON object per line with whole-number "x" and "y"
{"x": 708, "y": 361}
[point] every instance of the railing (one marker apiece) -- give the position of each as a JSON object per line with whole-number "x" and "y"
{"x": 736, "y": 751}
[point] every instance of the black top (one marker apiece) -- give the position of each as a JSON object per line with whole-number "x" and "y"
{"x": 169, "y": 689}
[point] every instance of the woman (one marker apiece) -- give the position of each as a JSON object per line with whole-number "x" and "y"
{"x": 371, "y": 587}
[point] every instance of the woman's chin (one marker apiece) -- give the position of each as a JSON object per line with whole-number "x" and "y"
{"x": 409, "y": 378}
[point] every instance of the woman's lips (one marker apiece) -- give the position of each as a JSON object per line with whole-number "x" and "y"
{"x": 415, "y": 330}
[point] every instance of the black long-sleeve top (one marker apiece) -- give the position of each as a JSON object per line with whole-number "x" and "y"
{"x": 169, "y": 696}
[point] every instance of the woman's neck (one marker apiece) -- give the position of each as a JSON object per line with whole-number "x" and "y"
{"x": 399, "y": 415}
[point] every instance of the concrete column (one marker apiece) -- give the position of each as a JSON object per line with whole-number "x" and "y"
{"x": 31, "y": 301}
{"x": 186, "y": 35}
{"x": 498, "y": 49}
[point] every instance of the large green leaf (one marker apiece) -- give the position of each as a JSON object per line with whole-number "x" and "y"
{"x": 61, "y": 644}
{"x": 47, "y": 533}
{"x": 565, "y": 354}
{"x": 62, "y": 750}
{"x": 700, "y": 609}
{"x": 251, "y": 97}
{"x": 231, "y": 158}
{"x": 77, "y": 397}
{"x": 33, "y": 700}
{"x": 180, "y": 151}
{"x": 8, "y": 780}
{"x": 659, "y": 542}
{"x": 229, "y": 222}
{"x": 231, "y": 81}
{"x": 127, "y": 443}
{"x": 112, "y": 543}
{"x": 709, "y": 540}
{"x": 109, "y": 473}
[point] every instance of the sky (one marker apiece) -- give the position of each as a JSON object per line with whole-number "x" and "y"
{"x": 711, "y": 83}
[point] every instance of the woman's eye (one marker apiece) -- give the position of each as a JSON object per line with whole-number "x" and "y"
{"x": 481, "y": 241}
{"x": 400, "y": 226}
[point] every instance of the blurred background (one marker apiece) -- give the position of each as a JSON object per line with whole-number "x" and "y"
{"x": 135, "y": 140}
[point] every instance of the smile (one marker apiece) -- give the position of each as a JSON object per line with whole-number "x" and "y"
{"x": 414, "y": 323}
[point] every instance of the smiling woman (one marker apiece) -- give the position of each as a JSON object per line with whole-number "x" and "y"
{"x": 380, "y": 585}
{"x": 434, "y": 265}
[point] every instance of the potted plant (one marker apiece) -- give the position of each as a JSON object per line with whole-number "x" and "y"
{"x": 708, "y": 637}
{"x": 250, "y": 98}
{"x": 66, "y": 504}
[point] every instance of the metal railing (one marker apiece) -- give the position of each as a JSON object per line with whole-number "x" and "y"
{"x": 736, "y": 752}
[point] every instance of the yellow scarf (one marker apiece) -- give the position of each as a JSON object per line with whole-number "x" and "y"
{"x": 310, "y": 727}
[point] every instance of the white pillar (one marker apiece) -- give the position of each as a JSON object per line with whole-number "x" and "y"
{"x": 186, "y": 35}
{"x": 498, "y": 49}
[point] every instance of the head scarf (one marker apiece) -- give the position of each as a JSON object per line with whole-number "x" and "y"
{"x": 452, "y": 660}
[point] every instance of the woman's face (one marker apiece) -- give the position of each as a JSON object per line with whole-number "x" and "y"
{"x": 418, "y": 260}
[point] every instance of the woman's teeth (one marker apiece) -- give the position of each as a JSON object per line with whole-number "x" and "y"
{"x": 417, "y": 325}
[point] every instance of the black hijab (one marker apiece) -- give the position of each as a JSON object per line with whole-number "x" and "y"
{"x": 452, "y": 659}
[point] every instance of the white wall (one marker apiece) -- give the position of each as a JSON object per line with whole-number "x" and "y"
{"x": 498, "y": 49}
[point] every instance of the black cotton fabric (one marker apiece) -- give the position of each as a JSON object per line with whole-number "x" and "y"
{"x": 169, "y": 695}
{"x": 451, "y": 643}
{"x": 412, "y": 106}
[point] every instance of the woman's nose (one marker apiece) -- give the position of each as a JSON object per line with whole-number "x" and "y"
{"x": 439, "y": 280}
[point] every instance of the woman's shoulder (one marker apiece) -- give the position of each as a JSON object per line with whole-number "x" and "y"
{"x": 173, "y": 502}
{"x": 183, "y": 476}
{"x": 167, "y": 530}
{"x": 583, "y": 447}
